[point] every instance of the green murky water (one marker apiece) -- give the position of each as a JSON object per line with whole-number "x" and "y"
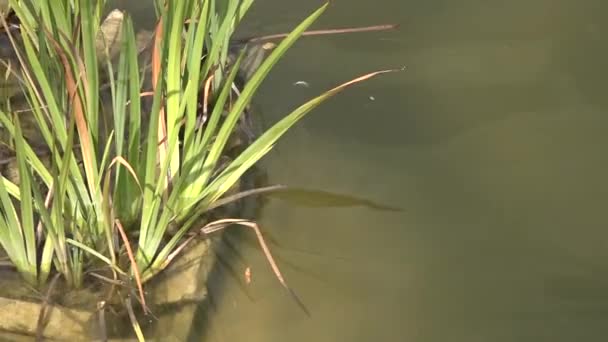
{"x": 492, "y": 141}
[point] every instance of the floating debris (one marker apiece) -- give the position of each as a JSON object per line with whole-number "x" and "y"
{"x": 248, "y": 275}
{"x": 302, "y": 84}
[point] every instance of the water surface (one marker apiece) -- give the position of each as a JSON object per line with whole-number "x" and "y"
{"x": 493, "y": 143}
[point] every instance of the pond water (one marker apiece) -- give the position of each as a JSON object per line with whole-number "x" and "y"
{"x": 492, "y": 143}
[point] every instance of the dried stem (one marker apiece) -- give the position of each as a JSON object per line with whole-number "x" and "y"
{"x": 136, "y": 273}
{"x": 374, "y": 28}
{"x": 43, "y": 309}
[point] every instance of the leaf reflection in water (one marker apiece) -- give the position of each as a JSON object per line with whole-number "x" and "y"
{"x": 320, "y": 198}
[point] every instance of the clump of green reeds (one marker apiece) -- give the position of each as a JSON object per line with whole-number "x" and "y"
{"x": 118, "y": 174}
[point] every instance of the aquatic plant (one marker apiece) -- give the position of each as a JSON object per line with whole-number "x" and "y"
{"x": 118, "y": 151}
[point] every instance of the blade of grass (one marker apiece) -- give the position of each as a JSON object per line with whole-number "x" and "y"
{"x": 194, "y": 56}
{"x": 27, "y": 211}
{"x": 12, "y": 237}
{"x": 95, "y": 254}
{"x": 134, "y": 323}
{"x": 173, "y": 77}
{"x": 90, "y": 25}
{"x": 151, "y": 203}
{"x": 85, "y": 138}
{"x": 195, "y": 172}
{"x": 246, "y": 95}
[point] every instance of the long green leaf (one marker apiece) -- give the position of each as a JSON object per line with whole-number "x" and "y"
{"x": 173, "y": 75}
{"x": 198, "y": 31}
{"x": 27, "y": 211}
{"x": 195, "y": 165}
{"x": 248, "y": 92}
{"x": 90, "y": 27}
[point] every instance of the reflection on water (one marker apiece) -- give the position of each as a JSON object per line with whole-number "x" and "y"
{"x": 492, "y": 141}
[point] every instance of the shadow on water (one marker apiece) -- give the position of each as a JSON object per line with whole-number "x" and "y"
{"x": 230, "y": 261}
{"x": 326, "y": 199}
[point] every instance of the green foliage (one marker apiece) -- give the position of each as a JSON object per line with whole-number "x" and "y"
{"x": 124, "y": 143}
